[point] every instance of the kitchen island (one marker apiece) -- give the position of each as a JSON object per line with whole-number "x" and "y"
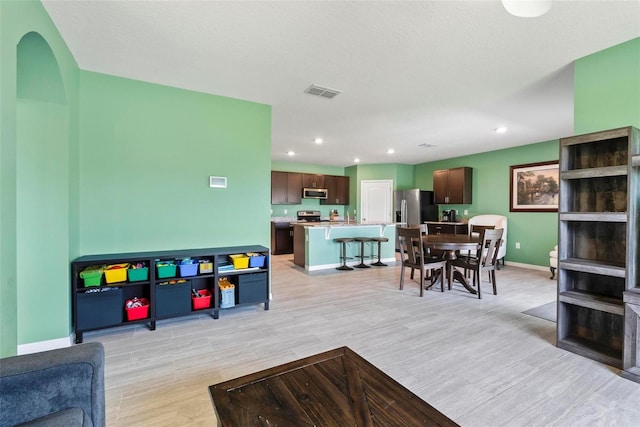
{"x": 314, "y": 248}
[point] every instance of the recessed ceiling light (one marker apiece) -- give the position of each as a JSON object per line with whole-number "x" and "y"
{"x": 500, "y": 129}
{"x": 318, "y": 140}
{"x": 391, "y": 151}
{"x": 290, "y": 153}
{"x": 356, "y": 160}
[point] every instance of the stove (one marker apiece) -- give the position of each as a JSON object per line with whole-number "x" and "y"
{"x": 309, "y": 216}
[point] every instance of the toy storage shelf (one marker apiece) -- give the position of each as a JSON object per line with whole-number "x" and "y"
{"x": 598, "y": 236}
{"x": 101, "y": 305}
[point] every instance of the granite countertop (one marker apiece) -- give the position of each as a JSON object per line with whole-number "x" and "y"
{"x": 342, "y": 224}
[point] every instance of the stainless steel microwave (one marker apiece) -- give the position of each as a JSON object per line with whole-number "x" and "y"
{"x": 314, "y": 193}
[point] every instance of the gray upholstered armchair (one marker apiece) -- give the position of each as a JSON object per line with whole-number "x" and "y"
{"x": 63, "y": 387}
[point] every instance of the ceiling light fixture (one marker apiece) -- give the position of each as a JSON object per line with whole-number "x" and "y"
{"x": 318, "y": 140}
{"x": 527, "y": 8}
{"x": 500, "y": 129}
{"x": 356, "y": 160}
{"x": 391, "y": 151}
{"x": 290, "y": 153}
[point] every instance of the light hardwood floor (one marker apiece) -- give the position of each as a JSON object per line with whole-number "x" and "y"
{"x": 480, "y": 362}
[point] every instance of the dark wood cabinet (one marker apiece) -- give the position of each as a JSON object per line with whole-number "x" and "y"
{"x": 281, "y": 238}
{"x": 453, "y": 186}
{"x": 313, "y": 181}
{"x": 597, "y": 247}
{"x": 342, "y": 190}
{"x": 337, "y": 190}
{"x": 286, "y": 188}
{"x": 99, "y": 298}
{"x": 447, "y": 228}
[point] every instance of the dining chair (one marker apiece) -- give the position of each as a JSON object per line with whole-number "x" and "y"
{"x": 476, "y": 230}
{"x": 485, "y": 259}
{"x": 413, "y": 256}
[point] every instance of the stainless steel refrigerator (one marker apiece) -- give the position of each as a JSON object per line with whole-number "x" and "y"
{"x": 414, "y": 207}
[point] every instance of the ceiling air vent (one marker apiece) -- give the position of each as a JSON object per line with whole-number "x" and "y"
{"x": 324, "y": 92}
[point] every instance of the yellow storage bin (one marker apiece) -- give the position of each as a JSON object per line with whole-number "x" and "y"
{"x": 116, "y": 273}
{"x": 239, "y": 261}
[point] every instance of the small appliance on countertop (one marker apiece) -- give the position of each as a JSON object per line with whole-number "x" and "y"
{"x": 449, "y": 215}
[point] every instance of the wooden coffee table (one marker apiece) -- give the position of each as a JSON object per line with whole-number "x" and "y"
{"x": 334, "y": 388}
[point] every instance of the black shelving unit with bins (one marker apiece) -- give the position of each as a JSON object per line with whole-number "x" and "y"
{"x": 169, "y": 293}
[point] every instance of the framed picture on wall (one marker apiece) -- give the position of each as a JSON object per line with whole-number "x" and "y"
{"x": 534, "y": 187}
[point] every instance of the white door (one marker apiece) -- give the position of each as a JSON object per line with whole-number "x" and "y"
{"x": 376, "y": 201}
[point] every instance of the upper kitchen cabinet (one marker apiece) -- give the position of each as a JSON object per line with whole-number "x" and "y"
{"x": 452, "y": 186}
{"x": 313, "y": 181}
{"x": 286, "y": 188}
{"x": 337, "y": 190}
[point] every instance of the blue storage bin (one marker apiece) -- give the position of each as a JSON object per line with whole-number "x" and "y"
{"x": 227, "y": 298}
{"x": 256, "y": 260}
{"x": 188, "y": 268}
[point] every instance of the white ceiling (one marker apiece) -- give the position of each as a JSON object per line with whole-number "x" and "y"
{"x": 412, "y": 72}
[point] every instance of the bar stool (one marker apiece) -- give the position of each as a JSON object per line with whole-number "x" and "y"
{"x": 362, "y": 241}
{"x": 344, "y": 257}
{"x": 380, "y": 240}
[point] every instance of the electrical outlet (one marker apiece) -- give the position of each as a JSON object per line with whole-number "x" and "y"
{"x": 285, "y": 211}
{"x": 517, "y": 245}
{"x": 465, "y": 212}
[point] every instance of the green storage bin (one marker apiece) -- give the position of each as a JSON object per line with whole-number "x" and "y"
{"x": 92, "y": 276}
{"x": 166, "y": 270}
{"x": 138, "y": 274}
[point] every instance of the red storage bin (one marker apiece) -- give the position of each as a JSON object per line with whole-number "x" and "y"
{"x": 204, "y": 301}
{"x": 139, "y": 311}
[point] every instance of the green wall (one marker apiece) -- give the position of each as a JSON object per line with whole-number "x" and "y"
{"x": 607, "y": 89}
{"x": 146, "y": 155}
{"x": 536, "y": 232}
{"x": 38, "y": 128}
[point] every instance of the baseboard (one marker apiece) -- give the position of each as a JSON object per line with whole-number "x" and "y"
{"x": 390, "y": 261}
{"x": 529, "y": 266}
{"x": 35, "y": 347}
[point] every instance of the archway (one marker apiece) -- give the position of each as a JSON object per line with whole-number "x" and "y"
{"x": 42, "y": 193}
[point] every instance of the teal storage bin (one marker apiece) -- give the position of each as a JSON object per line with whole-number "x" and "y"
{"x": 166, "y": 269}
{"x": 138, "y": 274}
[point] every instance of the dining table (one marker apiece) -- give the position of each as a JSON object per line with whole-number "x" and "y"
{"x": 450, "y": 244}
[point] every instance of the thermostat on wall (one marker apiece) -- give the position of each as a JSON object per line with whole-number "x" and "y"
{"x": 218, "y": 181}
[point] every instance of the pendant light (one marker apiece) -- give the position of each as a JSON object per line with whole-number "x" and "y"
{"x": 527, "y": 8}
